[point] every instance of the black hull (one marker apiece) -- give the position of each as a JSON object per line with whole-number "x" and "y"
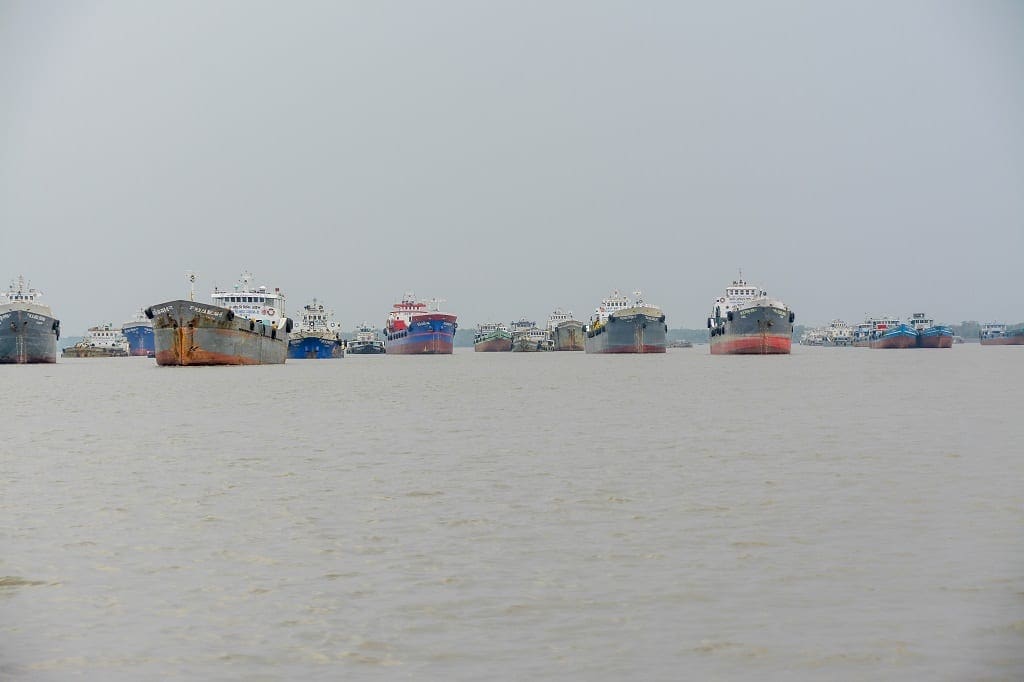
{"x": 28, "y": 338}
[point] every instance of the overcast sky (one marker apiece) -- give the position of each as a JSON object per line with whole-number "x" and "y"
{"x": 851, "y": 157}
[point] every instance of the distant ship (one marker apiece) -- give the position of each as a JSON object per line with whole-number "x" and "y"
{"x": 101, "y": 341}
{"x": 620, "y": 325}
{"x": 838, "y": 333}
{"x": 492, "y": 337}
{"x": 870, "y": 328}
{"x": 566, "y": 332}
{"x": 28, "y": 330}
{"x": 747, "y": 322}
{"x": 412, "y": 329}
{"x": 527, "y": 337}
{"x": 367, "y": 341}
{"x": 894, "y": 334}
{"x": 139, "y": 332}
{"x": 929, "y": 334}
{"x": 246, "y": 326}
{"x": 318, "y": 335}
{"x": 997, "y": 334}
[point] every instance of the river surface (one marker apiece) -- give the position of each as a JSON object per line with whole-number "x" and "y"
{"x": 836, "y": 514}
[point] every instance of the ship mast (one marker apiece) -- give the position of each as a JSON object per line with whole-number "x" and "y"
{"x": 191, "y": 277}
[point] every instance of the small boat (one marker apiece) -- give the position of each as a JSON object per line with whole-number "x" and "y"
{"x": 367, "y": 341}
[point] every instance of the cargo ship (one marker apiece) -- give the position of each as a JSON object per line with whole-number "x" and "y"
{"x": 566, "y": 332}
{"x": 531, "y": 339}
{"x": 28, "y": 330}
{"x": 317, "y": 336}
{"x": 929, "y": 334}
{"x": 894, "y": 334}
{"x": 997, "y": 334}
{"x": 621, "y": 325}
{"x": 139, "y": 332}
{"x": 492, "y": 337}
{"x": 101, "y": 341}
{"x": 413, "y": 329}
{"x": 366, "y": 342}
{"x": 870, "y": 328}
{"x": 246, "y": 326}
{"x": 747, "y": 322}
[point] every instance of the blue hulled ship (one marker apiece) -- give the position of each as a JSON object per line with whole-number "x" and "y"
{"x": 139, "y": 333}
{"x": 413, "y": 329}
{"x": 318, "y": 336}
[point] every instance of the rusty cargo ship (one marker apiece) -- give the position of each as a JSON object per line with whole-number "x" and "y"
{"x": 747, "y": 322}
{"x": 566, "y": 331}
{"x": 246, "y": 326}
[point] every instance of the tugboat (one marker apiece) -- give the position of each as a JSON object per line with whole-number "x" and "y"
{"x": 412, "y": 329}
{"x": 139, "y": 332}
{"x": 491, "y": 337}
{"x": 28, "y": 330}
{"x": 747, "y": 322}
{"x": 102, "y": 341}
{"x": 318, "y": 336}
{"x": 929, "y": 334}
{"x": 367, "y": 341}
{"x": 246, "y": 326}
{"x": 620, "y": 325}
{"x": 565, "y": 331}
{"x": 997, "y": 334}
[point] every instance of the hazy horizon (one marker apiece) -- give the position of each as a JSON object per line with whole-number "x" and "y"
{"x": 510, "y": 158}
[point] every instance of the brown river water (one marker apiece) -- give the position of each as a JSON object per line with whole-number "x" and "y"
{"x": 836, "y": 514}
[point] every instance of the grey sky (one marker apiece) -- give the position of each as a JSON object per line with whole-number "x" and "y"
{"x": 850, "y": 157}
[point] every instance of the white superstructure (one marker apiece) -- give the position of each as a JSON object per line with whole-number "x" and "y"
{"x": 252, "y": 302}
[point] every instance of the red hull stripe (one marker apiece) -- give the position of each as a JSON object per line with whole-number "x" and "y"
{"x": 752, "y": 345}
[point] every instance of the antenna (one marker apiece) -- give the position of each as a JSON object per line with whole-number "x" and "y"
{"x": 191, "y": 277}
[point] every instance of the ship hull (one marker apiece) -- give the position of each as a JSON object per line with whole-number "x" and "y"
{"x": 314, "y": 348}
{"x": 628, "y": 333}
{"x": 425, "y": 335}
{"x": 751, "y": 344}
{"x": 365, "y": 348}
{"x": 935, "y": 337}
{"x": 140, "y": 339}
{"x": 93, "y": 352}
{"x": 897, "y": 338}
{"x": 27, "y": 337}
{"x": 187, "y": 333}
{"x": 525, "y": 344}
{"x": 569, "y": 335}
{"x": 498, "y": 344}
{"x": 1013, "y": 338}
{"x": 758, "y": 330}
